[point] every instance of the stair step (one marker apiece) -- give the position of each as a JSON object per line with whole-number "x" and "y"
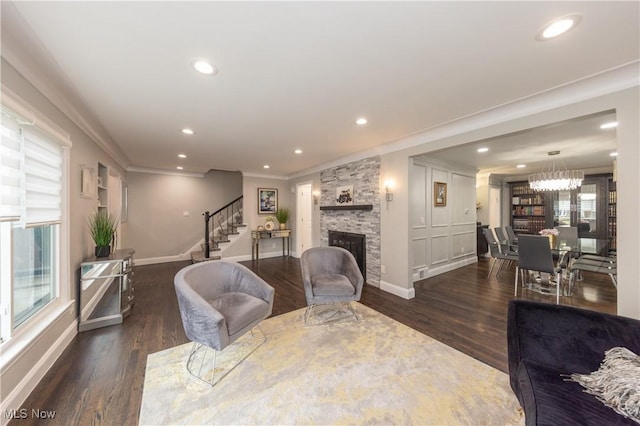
{"x": 198, "y": 256}
{"x": 212, "y": 247}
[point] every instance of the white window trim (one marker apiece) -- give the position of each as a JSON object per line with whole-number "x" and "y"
{"x": 25, "y": 335}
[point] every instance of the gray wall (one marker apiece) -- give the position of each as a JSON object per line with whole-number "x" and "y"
{"x": 84, "y": 152}
{"x": 157, "y": 226}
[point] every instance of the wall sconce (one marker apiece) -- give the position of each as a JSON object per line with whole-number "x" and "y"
{"x": 388, "y": 186}
{"x": 316, "y": 195}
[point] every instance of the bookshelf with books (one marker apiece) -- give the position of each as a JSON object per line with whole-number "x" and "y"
{"x": 528, "y": 209}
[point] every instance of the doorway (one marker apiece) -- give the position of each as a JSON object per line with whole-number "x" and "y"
{"x": 304, "y": 217}
{"x": 495, "y": 206}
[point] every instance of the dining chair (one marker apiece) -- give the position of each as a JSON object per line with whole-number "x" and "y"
{"x": 511, "y": 235}
{"x": 496, "y": 254}
{"x": 500, "y": 234}
{"x": 567, "y": 235}
{"x": 534, "y": 254}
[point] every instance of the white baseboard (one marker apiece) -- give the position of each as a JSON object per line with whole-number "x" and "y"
{"x": 246, "y": 257}
{"x": 19, "y": 394}
{"x": 163, "y": 259}
{"x": 432, "y": 272}
{"x": 405, "y": 293}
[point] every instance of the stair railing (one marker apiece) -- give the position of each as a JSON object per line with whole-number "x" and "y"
{"x": 227, "y": 218}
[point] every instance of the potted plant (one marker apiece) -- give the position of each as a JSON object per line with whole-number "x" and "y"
{"x": 102, "y": 226}
{"x": 282, "y": 215}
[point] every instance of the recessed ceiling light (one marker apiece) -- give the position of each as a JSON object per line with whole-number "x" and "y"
{"x": 298, "y": 151}
{"x": 484, "y": 149}
{"x": 614, "y": 154}
{"x": 361, "y": 121}
{"x": 609, "y": 125}
{"x": 557, "y": 27}
{"x": 521, "y": 166}
{"x": 182, "y": 156}
{"x": 179, "y": 167}
{"x": 266, "y": 166}
{"x": 204, "y": 67}
{"x": 188, "y": 131}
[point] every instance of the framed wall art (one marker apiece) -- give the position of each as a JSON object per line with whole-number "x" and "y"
{"x": 267, "y": 200}
{"x": 88, "y": 183}
{"x": 439, "y": 194}
{"x": 344, "y": 195}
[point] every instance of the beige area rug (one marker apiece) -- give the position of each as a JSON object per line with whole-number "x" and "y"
{"x": 372, "y": 371}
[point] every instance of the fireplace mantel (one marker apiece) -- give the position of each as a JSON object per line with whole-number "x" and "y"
{"x": 352, "y": 207}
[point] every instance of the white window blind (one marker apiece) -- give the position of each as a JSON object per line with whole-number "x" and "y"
{"x": 43, "y": 179}
{"x": 10, "y": 170}
{"x": 31, "y": 172}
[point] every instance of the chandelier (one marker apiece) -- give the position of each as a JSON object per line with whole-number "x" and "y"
{"x": 555, "y": 179}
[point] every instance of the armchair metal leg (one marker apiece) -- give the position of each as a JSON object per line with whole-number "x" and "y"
{"x": 201, "y": 363}
{"x": 333, "y": 315}
{"x": 515, "y": 293}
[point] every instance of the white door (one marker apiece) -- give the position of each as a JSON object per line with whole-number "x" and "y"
{"x": 495, "y": 206}
{"x": 304, "y": 218}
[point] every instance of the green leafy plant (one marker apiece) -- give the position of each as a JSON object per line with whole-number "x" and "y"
{"x": 102, "y": 226}
{"x": 282, "y": 215}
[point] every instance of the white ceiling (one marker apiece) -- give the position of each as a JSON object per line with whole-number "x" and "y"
{"x": 298, "y": 74}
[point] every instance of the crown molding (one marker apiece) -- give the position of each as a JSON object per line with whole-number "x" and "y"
{"x": 25, "y": 53}
{"x": 263, "y": 176}
{"x": 613, "y": 80}
{"x": 150, "y": 171}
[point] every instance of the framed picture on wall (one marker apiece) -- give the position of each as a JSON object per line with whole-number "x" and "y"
{"x": 88, "y": 183}
{"x": 439, "y": 194}
{"x": 344, "y": 195}
{"x": 267, "y": 200}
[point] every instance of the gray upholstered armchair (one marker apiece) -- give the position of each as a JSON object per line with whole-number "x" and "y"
{"x": 219, "y": 302}
{"x": 330, "y": 275}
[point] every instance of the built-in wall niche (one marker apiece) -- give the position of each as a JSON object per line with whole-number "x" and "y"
{"x": 102, "y": 181}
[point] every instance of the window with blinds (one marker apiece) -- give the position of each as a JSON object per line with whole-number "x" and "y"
{"x": 31, "y": 194}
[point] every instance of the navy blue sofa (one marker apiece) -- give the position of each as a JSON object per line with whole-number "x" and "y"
{"x": 547, "y": 343}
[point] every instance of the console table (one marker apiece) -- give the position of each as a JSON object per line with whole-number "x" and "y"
{"x": 256, "y": 236}
{"x": 106, "y": 289}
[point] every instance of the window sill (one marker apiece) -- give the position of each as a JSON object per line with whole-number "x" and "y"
{"x": 30, "y": 331}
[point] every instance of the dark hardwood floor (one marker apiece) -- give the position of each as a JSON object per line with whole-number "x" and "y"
{"x": 99, "y": 377}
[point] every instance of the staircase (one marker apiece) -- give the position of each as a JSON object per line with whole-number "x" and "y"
{"x": 220, "y": 228}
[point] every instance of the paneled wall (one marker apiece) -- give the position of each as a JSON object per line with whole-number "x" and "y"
{"x": 443, "y": 238}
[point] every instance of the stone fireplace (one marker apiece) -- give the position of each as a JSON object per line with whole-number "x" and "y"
{"x": 362, "y": 217}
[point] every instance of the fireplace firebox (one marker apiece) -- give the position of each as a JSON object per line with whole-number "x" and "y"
{"x": 354, "y": 243}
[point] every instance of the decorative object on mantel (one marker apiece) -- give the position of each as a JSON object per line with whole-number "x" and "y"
{"x": 267, "y": 200}
{"x": 102, "y": 227}
{"x": 344, "y": 195}
{"x": 554, "y": 179}
{"x": 282, "y": 215}
{"x": 439, "y": 194}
